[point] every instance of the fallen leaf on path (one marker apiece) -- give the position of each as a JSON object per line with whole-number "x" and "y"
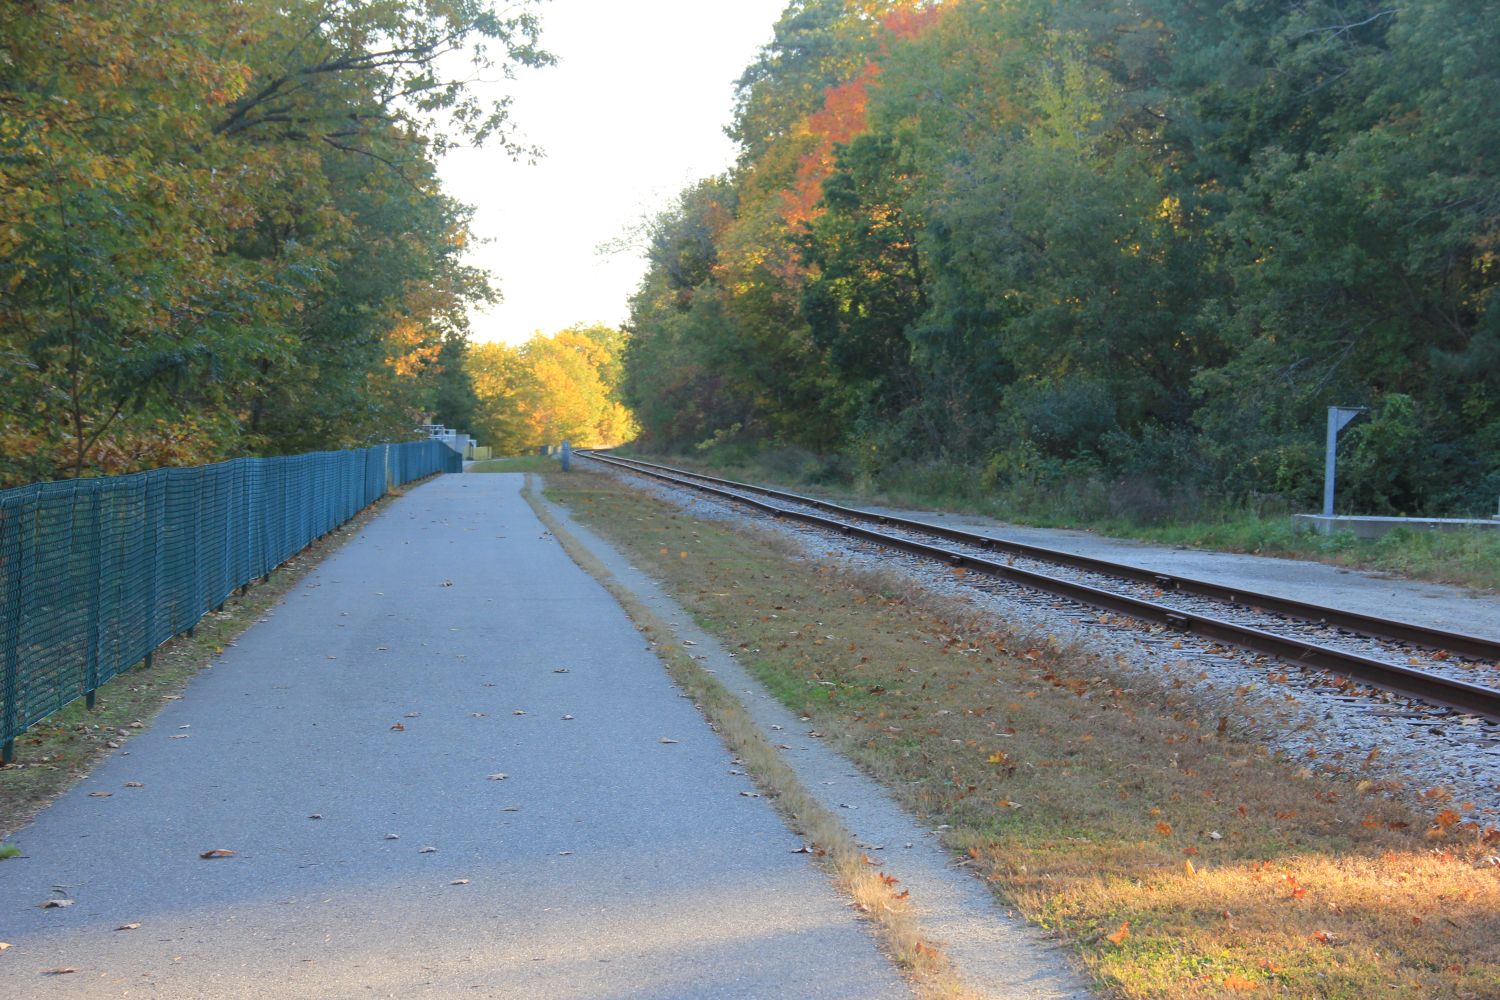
{"x": 217, "y": 852}
{"x": 128, "y": 927}
{"x": 55, "y": 904}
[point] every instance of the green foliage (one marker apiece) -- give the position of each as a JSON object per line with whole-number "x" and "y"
{"x": 1126, "y": 253}
{"x": 220, "y": 228}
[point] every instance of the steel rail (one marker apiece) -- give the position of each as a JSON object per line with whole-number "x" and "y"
{"x": 1403, "y": 680}
{"x": 1478, "y": 647}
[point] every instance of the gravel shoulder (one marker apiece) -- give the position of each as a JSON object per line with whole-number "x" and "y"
{"x": 441, "y": 766}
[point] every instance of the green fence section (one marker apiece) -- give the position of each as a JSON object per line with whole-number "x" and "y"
{"x": 96, "y": 573}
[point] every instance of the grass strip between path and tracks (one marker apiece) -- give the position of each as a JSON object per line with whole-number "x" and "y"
{"x": 58, "y": 752}
{"x": 871, "y": 890}
{"x": 1180, "y": 858}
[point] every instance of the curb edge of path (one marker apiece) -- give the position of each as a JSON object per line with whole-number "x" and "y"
{"x": 992, "y": 954}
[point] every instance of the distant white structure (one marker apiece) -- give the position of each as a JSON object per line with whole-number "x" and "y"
{"x": 457, "y": 440}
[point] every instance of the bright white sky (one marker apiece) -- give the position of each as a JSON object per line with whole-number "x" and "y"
{"x": 633, "y": 112}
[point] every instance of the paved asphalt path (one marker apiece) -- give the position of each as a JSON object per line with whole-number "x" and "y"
{"x": 608, "y": 864}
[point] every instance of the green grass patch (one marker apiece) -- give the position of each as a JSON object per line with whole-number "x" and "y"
{"x": 518, "y": 463}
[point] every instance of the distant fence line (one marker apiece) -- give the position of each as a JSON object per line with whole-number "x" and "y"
{"x": 96, "y": 573}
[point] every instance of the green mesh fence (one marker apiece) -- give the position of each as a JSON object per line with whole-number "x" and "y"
{"x": 96, "y": 573}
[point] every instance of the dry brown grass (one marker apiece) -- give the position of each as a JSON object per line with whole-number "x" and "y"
{"x": 1179, "y": 857}
{"x": 870, "y": 891}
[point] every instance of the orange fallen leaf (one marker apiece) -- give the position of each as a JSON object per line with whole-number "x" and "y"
{"x": 1164, "y": 828}
{"x": 1119, "y": 936}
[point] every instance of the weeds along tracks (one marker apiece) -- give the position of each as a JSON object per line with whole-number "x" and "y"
{"x": 1458, "y": 672}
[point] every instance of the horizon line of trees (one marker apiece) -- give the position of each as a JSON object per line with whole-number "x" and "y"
{"x": 1119, "y": 254}
{"x": 550, "y": 389}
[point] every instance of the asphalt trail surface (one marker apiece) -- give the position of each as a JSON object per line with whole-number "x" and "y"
{"x": 348, "y": 750}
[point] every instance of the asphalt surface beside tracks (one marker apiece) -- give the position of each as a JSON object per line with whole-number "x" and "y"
{"x": 607, "y": 863}
{"x": 1382, "y": 595}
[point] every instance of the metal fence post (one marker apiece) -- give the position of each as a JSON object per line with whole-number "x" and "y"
{"x": 1338, "y": 419}
{"x": 91, "y": 664}
{"x": 10, "y": 682}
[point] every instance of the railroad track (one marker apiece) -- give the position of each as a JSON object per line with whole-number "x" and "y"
{"x": 1434, "y": 688}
